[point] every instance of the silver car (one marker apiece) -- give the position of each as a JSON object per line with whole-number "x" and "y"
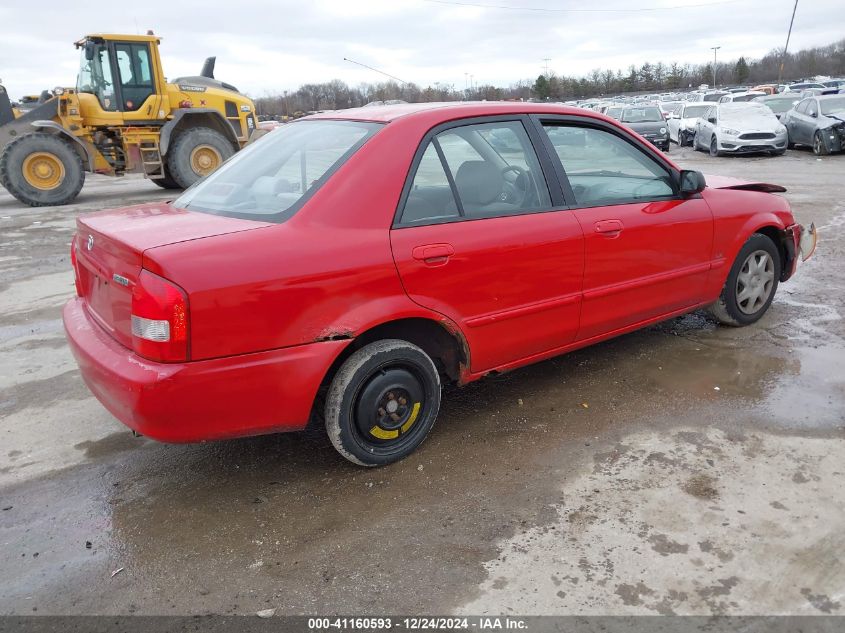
{"x": 818, "y": 122}
{"x": 740, "y": 128}
{"x": 682, "y": 126}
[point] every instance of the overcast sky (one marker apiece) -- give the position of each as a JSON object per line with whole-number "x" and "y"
{"x": 267, "y": 47}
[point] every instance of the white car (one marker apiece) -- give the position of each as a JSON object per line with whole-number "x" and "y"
{"x": 738, "y": 97}
{"x": 682, "y": 126}
{"x": 739, "y": 128}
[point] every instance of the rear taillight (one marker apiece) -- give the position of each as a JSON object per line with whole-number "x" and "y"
{"x": 159, "y": 319}
{"x": 75, "y": 264}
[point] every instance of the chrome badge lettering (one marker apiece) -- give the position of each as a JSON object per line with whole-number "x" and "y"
{"x": 120, "y": 279}
{"x": 90, "y": 244}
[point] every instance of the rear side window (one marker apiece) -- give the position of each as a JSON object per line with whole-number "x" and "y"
{"x": 602, "y": 168}
{"x": 476, "y": 171}
{"x": 270, "y": 180}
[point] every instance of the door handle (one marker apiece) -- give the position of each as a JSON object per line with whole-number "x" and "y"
{"x": 433, "y": 254}
{"x": 609, "y": 227}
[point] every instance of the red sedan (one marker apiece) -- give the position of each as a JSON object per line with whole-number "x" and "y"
{"x": 347, "y": 264}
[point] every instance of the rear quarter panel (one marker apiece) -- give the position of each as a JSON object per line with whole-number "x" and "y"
{"x": 327, "y": 273}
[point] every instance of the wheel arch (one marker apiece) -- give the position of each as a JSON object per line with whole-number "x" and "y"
{"x": 187, "y": 118}
{"x": 785, "y": 244}
{"x": 441, "y": 339}
{"x": 84, "y": 149}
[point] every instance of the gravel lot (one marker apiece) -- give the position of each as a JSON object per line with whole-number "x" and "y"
{"x": 687, "y": 468}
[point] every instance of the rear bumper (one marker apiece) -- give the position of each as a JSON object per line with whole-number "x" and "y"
{"x": 250, "y": 394}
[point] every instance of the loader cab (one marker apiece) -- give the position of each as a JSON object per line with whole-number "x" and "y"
{"x": 120, "y": 80}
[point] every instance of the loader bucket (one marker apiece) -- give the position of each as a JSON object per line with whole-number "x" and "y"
{"x": 6, "y": 114}
{"x": 12, "y": 128}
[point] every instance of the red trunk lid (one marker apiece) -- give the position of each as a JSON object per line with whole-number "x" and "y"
{"x": 110, "y": 249}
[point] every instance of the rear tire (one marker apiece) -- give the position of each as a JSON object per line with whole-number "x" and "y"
{"x": 382, "y": 402}
{"x": 195, "y": 153}
{"x": 751, "y": 284}
{"x": 41, "y": 170}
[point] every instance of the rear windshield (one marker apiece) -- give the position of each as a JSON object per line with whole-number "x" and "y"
{"x": 642, "y": 115}
{"x": 273, "y": 178}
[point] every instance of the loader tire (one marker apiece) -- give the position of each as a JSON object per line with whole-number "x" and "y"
{"x": 195, "y": 153}
{"x": 167, "y": 182}
{"x": 41, "y": 170}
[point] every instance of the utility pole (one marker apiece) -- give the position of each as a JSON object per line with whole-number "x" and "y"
{"x": 715, "y": 48}
{"x": 785, "y": 48}
{"x": 547, "y": 60}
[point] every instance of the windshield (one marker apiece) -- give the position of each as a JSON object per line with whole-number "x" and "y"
{"x": 271, "y": 179}
{"x": 695, "y": 111}
{"x": 748, "y": 97}
{"x": 614, "y": 113}
{"x": 833, "y": 106}
{"x": 779, "y": 106}
{"x": 642, "y": 115}
{"x": 713, "y": 96}
{"x": 95, "y": 77}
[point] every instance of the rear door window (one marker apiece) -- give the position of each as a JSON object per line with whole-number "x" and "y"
{"x": 485, "y": 170}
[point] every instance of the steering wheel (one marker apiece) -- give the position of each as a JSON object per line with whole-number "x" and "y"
{"x": 519, "y": 171}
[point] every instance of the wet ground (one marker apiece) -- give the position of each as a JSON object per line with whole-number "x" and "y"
{"x": 687, "y": 468}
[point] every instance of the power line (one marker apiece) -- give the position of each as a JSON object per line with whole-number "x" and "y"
{"x": 547, "y": 10}
{"x": 352, "y": 61}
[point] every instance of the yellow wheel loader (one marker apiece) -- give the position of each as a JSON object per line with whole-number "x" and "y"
{"x": 122, "y": 117}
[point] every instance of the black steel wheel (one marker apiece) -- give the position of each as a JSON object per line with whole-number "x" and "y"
{"x": 382, "y": 402}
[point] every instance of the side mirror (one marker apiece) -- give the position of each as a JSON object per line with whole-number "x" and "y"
{"x": 814, "y": 114}
{"x": 692, "y": 182}
{"x": 712, "y": 120}
{"x": 90, "y": 49}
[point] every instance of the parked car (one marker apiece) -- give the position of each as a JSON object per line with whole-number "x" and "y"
{"x": 818, "y": 122}
{"x": 769, "y": 89}
{"x": 682, "y": 128}
{"x": 711, "y": 97}
{"x": 739, "y": 97}
{"x": 615, "y": 112}
{"x": 800, "y": 87}
{"x": 740, "y": 128}
{"x": 648, "y": 121}
{"x": 835, "y": 84}
{"x": 779, "y": 103}
{"x": 349, "y": 264}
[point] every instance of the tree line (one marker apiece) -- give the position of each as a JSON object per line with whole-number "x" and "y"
{"x": 648, "y": 77}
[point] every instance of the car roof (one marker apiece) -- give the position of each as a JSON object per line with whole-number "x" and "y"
{"x": 448, "y": 110}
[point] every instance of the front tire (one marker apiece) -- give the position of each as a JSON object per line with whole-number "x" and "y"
{"x": 167, "y": 182}
{"x": 819, "y": 146}
{"x": 41, "y": 170}
{"x": 195, "y": 153}
{"x": 382, "y": 402}
{"x": 751, "y": 284}
{"x": 714, "y": 147}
